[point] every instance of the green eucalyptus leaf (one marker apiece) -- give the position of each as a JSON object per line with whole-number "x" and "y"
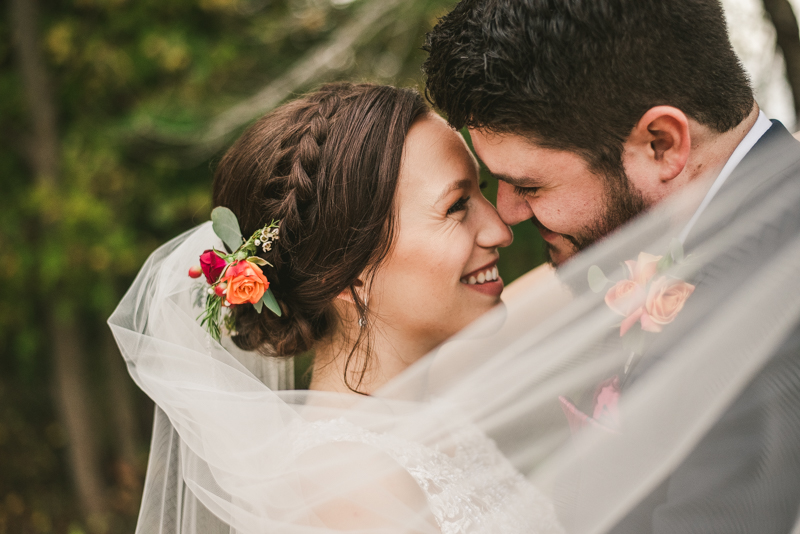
{"x": 226, "y": 226}
{"x": 269, "y": 301}
{"x": 664, "y": 263}
{"x": 676, "y": 250}
{"x": 258, "y": 261}
{"x": 242, "y": 254}
{"x": 597, "y": 280}
{"x": 260, "y": 304}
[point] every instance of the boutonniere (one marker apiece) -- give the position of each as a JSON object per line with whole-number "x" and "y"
{"x": 649, "y": 297}
{"x": 234, "y": 279}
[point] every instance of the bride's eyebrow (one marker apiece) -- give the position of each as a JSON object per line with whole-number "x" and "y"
{"x": 464, "y": 183}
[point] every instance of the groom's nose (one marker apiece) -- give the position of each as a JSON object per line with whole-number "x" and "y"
{"x": 513, "y": 208}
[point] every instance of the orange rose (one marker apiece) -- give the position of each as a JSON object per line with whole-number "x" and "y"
{"x": 246, "y": 283}
{"x": 625, "y": 297}
{"x": 644, "y": 268}
{"x": 666, "y": 299}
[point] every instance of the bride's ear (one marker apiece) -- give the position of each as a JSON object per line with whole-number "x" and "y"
{"x": 347, "y": 294}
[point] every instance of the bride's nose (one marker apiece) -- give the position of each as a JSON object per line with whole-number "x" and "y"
{"x": 493, "y": 232}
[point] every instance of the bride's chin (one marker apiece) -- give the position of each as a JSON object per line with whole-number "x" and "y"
{"x": 491, "y": 289}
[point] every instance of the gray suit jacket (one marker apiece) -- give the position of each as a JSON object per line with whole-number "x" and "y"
{"x": 744, "y": 476}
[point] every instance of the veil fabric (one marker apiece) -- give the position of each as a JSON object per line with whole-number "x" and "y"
{"x": 703, "y": 415}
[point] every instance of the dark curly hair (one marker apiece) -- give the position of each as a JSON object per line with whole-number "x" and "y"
{"x": 578, "y": 74}
{"x": 327, "y": 166}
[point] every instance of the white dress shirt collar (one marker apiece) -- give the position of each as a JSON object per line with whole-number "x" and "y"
{"x": 759, "y": 128}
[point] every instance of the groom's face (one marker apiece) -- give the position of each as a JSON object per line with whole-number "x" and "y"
{"x": 571, "y": 206}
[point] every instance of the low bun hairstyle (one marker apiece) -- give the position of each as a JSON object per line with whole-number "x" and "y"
{"x": 327, "y": 166}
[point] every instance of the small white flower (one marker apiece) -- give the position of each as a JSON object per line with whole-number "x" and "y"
{"x": 258, "y": 242}
{"x": 210, "y": 290}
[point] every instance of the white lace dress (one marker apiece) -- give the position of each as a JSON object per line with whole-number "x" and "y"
{"x": 474, "y": 490}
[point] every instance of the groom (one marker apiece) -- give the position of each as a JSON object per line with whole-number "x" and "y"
{"x": 590, "y": 112}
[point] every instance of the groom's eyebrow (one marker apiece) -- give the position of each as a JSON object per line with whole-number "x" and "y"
{"x": 516, "y": 182}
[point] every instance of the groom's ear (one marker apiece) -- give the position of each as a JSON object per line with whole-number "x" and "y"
{"x": 657, "y": 149}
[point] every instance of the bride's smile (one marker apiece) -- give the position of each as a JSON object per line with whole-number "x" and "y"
{"x": 485, "y": 280}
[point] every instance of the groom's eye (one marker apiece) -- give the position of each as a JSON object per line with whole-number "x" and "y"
{"x": 525, "y": 191}
{"x": 458, "y": 205}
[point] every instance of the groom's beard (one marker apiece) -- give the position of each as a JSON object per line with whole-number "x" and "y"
{"x": 622, "y": 203}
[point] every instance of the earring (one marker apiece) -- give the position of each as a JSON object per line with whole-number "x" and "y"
{"x": 362, "y": 322}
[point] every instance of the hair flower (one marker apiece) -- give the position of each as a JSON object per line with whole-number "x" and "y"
{"x": 246, "y": 283}
{"x": 236, "y": 278}
{"x": 212, "y": 265}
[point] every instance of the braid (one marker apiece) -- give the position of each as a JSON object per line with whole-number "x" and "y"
{"x": 302, "y": 155}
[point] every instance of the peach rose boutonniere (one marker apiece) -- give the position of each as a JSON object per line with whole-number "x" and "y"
{"x": 234, "y": 279}
{"x": 649, "y": 297}
{"x": 646, "y": 297}
{"x": 665, "y": 300}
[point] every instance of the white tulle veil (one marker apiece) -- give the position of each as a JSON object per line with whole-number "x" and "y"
{"x": 227, "y": 424}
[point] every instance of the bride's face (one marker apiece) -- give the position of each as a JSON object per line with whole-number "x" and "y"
{"x": 441, "y": 273}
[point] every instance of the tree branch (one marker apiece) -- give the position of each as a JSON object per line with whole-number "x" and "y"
{"x": 324, "y": 59}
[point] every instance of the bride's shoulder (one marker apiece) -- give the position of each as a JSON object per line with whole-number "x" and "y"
{"x": 465, "y": 472}
{"x": 355, "y": 479}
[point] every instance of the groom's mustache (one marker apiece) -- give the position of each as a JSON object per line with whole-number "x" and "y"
{"x": 542, "y": 229}
{"x": 539, "y": 225}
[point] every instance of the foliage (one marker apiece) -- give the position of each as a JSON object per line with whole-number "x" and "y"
{"x": 134, "y": 81}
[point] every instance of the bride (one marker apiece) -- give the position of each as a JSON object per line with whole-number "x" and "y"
{"x": 386, "y": 248}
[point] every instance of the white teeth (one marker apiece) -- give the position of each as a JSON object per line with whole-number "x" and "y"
{"x": 487, "y": 276}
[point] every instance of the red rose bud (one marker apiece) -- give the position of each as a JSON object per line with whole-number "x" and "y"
{"x": 220, "y": 289}
{"x": 195, "y": 271}
{"x": 212, "y": 265}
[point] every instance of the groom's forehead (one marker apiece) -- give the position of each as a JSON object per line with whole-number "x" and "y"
{"x": 519, "y": 161}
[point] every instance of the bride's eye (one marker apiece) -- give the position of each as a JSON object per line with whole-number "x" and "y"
{"x": 459, "y": 205}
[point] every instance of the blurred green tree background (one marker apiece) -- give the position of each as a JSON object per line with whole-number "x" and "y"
{"x": 113, "y": 113}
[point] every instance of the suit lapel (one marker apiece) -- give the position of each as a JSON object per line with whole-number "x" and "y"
{"x": 776, "y": 151}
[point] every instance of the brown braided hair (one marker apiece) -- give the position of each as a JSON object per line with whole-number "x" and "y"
{"x": 327, "y": 166}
